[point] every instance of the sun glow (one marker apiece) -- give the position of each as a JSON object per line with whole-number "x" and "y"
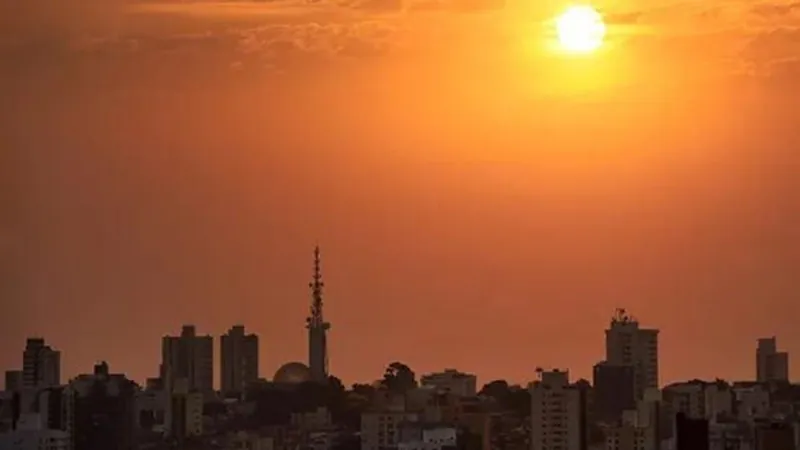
{"x": 580, "y": 29}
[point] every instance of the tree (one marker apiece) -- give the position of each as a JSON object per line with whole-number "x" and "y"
{"x": 399, "y": 378}
{"x": 364, "y": 390}
{"x": 497, "y": 389}
{"x": 518, "y": 401}
{"x": 510, "y": 398}
{"x": 335, "y": 385}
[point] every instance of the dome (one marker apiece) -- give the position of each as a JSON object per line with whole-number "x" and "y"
{"x": 293, "y": 372}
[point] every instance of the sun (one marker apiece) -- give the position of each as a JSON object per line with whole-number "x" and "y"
{"x": 580, "y": 29}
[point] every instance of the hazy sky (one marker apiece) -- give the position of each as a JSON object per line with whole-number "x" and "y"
{"x": 481, "y": 202}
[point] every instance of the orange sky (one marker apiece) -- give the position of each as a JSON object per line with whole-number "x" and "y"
{"x": 481, "y": 203}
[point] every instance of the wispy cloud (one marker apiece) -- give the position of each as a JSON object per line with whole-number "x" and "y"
{"x": 697, "y": 36}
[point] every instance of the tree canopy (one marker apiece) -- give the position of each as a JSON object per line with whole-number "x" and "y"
{"x": 510, "y": 398}
{"x": 399, "y": 378}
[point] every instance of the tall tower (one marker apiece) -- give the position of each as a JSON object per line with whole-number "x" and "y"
{"x": 317, "y": 327}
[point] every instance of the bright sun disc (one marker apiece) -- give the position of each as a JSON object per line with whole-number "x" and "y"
{"x": 580, "y": 29}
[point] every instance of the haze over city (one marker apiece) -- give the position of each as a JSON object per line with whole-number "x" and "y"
{"x": 481, "y": 201}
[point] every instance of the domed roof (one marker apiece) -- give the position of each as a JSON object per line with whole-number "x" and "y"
{"x": 292, "y": 372}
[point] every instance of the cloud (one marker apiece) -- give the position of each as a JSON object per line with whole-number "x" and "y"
{"x": 772, "y": 53}
{"x": 379, "y": 5}
{"x": 687, "y": 38}
{"x": 625, "y": 18}
{"x": 772, "y": 10}
{"x": 288, "y": 42}
{"x": 55, "y": 18}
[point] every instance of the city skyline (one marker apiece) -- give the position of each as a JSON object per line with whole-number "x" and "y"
{"x": 600, "y": 198}
{"x": 167, "y": 162}
{"x": 621, "y": 320}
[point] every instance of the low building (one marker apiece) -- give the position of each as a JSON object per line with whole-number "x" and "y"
{"x": 627, "y": 437}
{"x": 558, "y": 412}
{"x": 752, "y": 401}
{"x": 32, "y": 433}
{"x": 421, "y": 436}
{"x": 319, "y": 419}
{"x": 244, "y": 440}
{"x": 452, "y": 381}
{"x": 729, "y": 435}
{"x": 774, "y": 436}
{"x": 13, "y": 380}
{"x": 27, "y": 439}
{"x": 381, "y": 429}
{"x": 151, "y": 406}
{"x": 184, "y": 412}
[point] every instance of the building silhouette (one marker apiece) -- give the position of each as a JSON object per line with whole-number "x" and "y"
{"x": 41, "y": 365}
{"x": 558, "y": 412}
{"x": 189, "y": 357}
{"x": 184, "y": 413}
{"x": 771, "y": 365}
{"x": 238, "y": 361}
{"x": 100, "y": 411}
{"x": 13, "y": 380}
{"x": 774, "y": 436}
{"x": 453, "y": 381}
{"x": 614, "y": 391}
{"x": 691, "y": 434}
{"x": 628, "y": 344}
{"x": 317, "y": 326}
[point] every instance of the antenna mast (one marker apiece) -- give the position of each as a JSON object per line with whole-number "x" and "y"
{"x": 316, "y": 285}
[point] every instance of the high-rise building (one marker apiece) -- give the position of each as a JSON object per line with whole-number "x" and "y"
{"x": 614, "y": 391}
{"x": 771, "y": 365}
{"x": 100, "y": 411}
{"x": 189, "y": 357}
{"x": 317, "y": 327}
{"x": 558, "y": 412}
{"x": 628, "y": 344}
{"x": 41, "y": 365}
{"x": 239, "y": 366}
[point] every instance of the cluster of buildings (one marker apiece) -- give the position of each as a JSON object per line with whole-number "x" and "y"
{"x": 106, "y": 411}
{"x": 623, "y": 407}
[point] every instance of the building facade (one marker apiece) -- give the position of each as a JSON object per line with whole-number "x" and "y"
{"x": 558, "y": 413}
{"x": 771, "y": 364}
{"x": 691, "y": 434}
{"x": 381, "y": 429}
{"x": 35, "y": 438}
{"x": 239, "y": 360}
{"x": 184, "y": 412}
{"x": 41, "y": 365}
{"x": 628, "y": 344}
{"x": 189, "y": 357}
{"x": 13, "y": 380}
{"x": 453, "y": 381}
{"x": 614, "y": 391}
{"x": 100, "y": 411}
